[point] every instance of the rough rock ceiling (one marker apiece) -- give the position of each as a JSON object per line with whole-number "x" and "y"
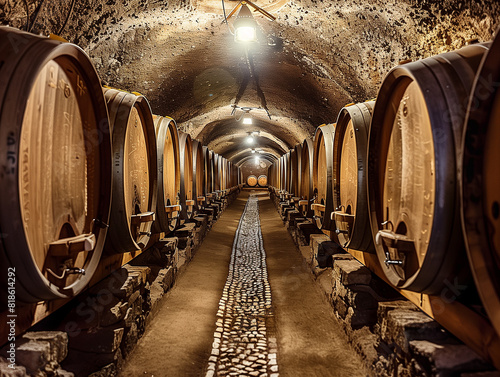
{"x": 316, "y": 57}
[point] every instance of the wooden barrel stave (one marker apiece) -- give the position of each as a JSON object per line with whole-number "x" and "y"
{"x": 418, "y": 96}
{"x": 134, "y": 172}
{"x": 57, "y": 220}
{"x": 168, "y": 163}
{"x": 480, "y": 183}
{"x": 351, "y": 214}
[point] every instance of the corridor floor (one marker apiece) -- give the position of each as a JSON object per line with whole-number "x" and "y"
{"x": 300, "y": 336}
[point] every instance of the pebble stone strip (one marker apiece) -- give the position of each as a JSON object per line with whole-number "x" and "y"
{"x": 245, "y": 338}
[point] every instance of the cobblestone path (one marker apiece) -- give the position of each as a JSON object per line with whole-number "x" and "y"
{"x": 245, "y": 339}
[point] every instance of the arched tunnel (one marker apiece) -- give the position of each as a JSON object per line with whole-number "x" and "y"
{"x": 310, "y": 59}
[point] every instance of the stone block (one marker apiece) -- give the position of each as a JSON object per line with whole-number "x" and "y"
{"x": 340, "y": 307}
{"x": 325, "y": 282}
{"x": 107, "y": 371}
{"x": 306, "y": 229}
{"x": 316, "y": 240}
{"x": 446, "y": 359}
{"x": 63, "y": 373}
{"x": 15, "y": 371}
{"x": 403, "y": 326}
{"x": 325, "y": 251}
{"x": 130, "y": 339}
{"x": 364, "y": 342}
{"x": 357, "y": 318}
{"x": 57, "y": 340}
{"x": 351, "y": 272}
{"x": 92, "y": 362}
{"x": 33, "y": 355}
{"x": 103, "y": 339}
{"x": 361, "y": 298}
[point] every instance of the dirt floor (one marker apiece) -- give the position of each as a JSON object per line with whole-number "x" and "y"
{"x": 310, "y": 342}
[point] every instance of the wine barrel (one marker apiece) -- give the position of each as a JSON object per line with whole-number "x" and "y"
{"x": 481, "y": 183}
{"x": 295, "y": 170}
{"x": 262, "y": 180}
{"x": 169, "y": 177}
{"x": 209, "y": 173}
{"x": 414, "y": 145}
{"x": 306, "y": 192}
{"x": 186, "y": 197}
{"x": 198, "y": 175}
{"x": 252, "y": 180}
{"x": 350, "y": 199}
{"x": 323, "y": 178}
{"x": 56, "y": 167}
{"x": 134, "y": 171}
{"x": 217, "y": 177}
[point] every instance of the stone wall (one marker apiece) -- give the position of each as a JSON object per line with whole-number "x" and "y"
{"x": 393, "y": 336}
{"x": 94, "y": 333}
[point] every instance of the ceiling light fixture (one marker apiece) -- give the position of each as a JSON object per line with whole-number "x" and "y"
{"x": 245, "y": 27}
{"x": 253, "y": 150}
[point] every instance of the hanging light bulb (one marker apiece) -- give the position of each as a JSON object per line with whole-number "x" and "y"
{"x": 245, "y": 27}
{"x": 253, "y": 150}
{"x": 250, "y": 139}
{"x": 247, "y": 119}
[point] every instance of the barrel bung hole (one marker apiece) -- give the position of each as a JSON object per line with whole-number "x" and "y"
{"x": 401, "y": 228}
{"x": 495, "y": 210}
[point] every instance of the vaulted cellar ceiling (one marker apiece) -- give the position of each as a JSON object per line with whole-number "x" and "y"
{"x": 316, "y": 57}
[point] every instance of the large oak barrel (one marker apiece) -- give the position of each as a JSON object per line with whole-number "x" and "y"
{"x": 169, "y": 176}
{"x": 252, "y": 180}
{"x": 262, "y": 180}
{"x": 56, "y": 167}
{"x": 134, "y": 171}
{"x": 323, "y": 177}
{"x": 350, "y": 199}
{"x": 306, "y": 192}
{"x": 414, "y": 145}
{"x": 481, "y": 183}
{"x": 209, "y": 173}
{"x": 198, "y": 175}
{"x": 186, "y": 197}
{"x": 295, "y": 170}
{"x": 217, "y": 175}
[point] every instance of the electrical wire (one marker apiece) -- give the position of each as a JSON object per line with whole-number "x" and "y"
{"x": 26, "y": 6}
{"x": 37, "y": 11}
{"x": 67, "y": 17}
{"x": 225, "y": 18}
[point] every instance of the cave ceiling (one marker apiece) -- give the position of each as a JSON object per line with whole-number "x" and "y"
{"x": 316, "y": 57}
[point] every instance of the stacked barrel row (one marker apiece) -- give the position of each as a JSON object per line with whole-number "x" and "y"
{"x": 86, "y": 170}
{"x": 413, "y": 177}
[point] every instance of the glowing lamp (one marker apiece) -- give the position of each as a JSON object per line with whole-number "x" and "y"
{"x": 247, "y": 119}
{"x": 245, "y": 27}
